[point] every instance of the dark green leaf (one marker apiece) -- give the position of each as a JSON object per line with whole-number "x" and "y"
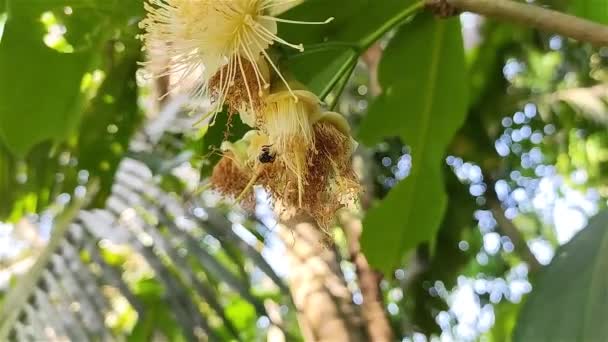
{"x": 20, "y": 198}
{"x": 570, "y": 298}
{"x": 596, "y": 10}
{"x": 24, "y": 58}
{"x": 58, "y": 72}
{"x": 110, "y": 121}
{"x": 356, "y": 25}
{"x": 424, "y": 102}
{"x": 355, "y": 21}
{"x": 319, "y": 10}
{"x": 322, "y": 80}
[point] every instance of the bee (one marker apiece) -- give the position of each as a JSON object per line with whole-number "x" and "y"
{"x": 266, "y": 156}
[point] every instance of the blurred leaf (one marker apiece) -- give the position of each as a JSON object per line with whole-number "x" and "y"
{"x": 148, "y": 289}
{"x": 505, "y": 318}
{"x": 588, "y": 102}
{"x": 158, "y": 164}
{"x": 541, "y": 70}
{"x": 58, "y": 63}
{"x": 241, "y": 312}
{"x": 18, "y": 197}
{"x": 110, "y": 120}
{"x": 596, "y": 10}
{"x": 158, "y": 317}
{"x": 570, "y": 298}
{"x": 104, "y": 94}
{"x": 446, "y": 261}
{"x": 424, "y": 103}
{"x": 58, "y": 76}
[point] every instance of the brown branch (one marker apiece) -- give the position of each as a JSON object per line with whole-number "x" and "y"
{"x": 275, "y": 332}
{"x": 324, "y": 305}
{"x": 376, "y": 321}
{"x": 530, "y": 15}
{"x": 377, "y": 324}
{"x": 588, "y": 102}
{"x": 372, "y": 58}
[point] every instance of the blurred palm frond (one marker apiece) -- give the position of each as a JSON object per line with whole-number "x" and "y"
{"x": 154, "y": 258}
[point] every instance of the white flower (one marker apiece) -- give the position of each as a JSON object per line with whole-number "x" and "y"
{"x": 223, "y": 41}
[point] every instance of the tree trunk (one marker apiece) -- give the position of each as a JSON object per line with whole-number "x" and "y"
{"x": 326, "y": 311}
{"x": 376, "y": 321}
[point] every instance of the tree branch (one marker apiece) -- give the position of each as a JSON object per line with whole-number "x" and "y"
{"x": 324, "y": 305}
{"x": 532, "y": 15}
{"x": 376, "y": 322}
{"x": 507, "y": 228}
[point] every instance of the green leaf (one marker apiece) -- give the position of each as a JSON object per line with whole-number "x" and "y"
{"x": 596, "y": 10}
{"x": 36, "y": 71}
{"x": 110, "y": 121}
{"x": 424, "y": 102}
{"x": 241, "y": 312}
{"x": 319, "y": 10}
{"x": 570, "y": 298}
{"x": 322, "y": 80}
{"x": 51, "y": 76}
{"x": 356, "y": 25}
{"x": 446, "y": 261}
{"x": 505, "y": 314}
{"x": 355, "y": 21}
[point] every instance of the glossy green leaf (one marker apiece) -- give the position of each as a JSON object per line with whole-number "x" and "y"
{"x": 569, "y": 301}
{"x": 424, "y": 102}
{"x": 333, "y": 47}
{"x": 596, "y": 10}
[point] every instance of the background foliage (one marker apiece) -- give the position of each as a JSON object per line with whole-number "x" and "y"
{"x": 482, "y": 159}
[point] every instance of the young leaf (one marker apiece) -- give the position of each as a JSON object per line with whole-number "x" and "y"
{"x": 570, "y": 298}
{"x": 424, "y": 102}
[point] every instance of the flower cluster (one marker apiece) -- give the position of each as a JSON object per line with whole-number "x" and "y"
{"x": 295, "y": 150}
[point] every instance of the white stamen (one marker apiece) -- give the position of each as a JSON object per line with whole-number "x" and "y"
{"x": 281, "y": 20}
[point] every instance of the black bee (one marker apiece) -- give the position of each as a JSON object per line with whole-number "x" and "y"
{"x": 266, "y": 156}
